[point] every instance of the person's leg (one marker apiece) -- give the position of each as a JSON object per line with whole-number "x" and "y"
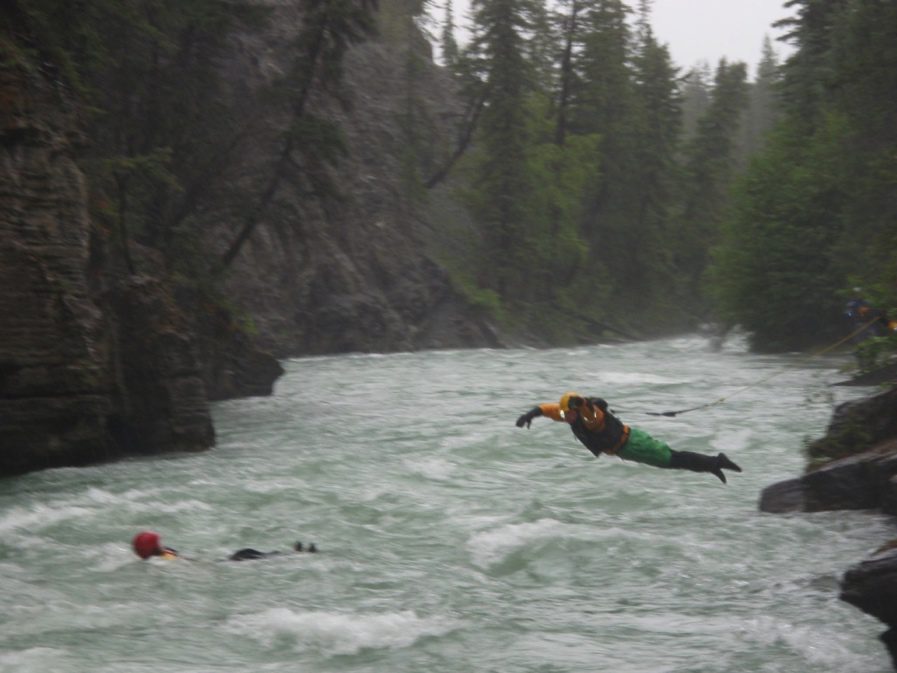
{"x": 643, "y": 448}
{"x": 698, "y": 462}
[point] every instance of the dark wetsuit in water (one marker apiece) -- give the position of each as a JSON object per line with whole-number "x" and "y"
{"x": 249, "y": 554}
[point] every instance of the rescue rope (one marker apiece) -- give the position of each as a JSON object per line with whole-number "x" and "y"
{"x": 725, "y": 398}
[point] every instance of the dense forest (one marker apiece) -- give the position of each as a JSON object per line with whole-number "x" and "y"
{"x": 600, "y": 172}
{"x": 596, "y": 187}
{"x": 815, "y": 213}
{"x": 610, "y": 183}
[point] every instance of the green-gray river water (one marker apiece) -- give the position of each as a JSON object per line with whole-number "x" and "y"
{"x": 450, "y": 540}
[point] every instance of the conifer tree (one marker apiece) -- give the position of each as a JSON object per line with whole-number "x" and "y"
{"x": 569, "y": 19}
{"x": 764, "y": 106}
{"x": 695, "y": 87}
{"x": 606, "y": 107}
{"x": 658, "y": 120}
{"x": 814, "y": 215}
{"x": 709, "y": 174}
{"x": 448, "y": 44}
{"x": 503, "y": 181}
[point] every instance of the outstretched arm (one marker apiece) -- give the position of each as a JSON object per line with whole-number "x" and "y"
{"x": 528, "y": 417}
{"x": 552, "y": 411}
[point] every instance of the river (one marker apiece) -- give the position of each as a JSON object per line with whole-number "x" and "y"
{"x": 450, "y": 540}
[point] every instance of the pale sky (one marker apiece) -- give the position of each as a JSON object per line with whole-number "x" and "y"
{"x": 697, "y": 30}
{"x": 709, "y": 30}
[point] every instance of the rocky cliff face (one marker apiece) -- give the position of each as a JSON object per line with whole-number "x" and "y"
{"x": 53, "y": 385}
{"x": 92, "y": 366}
{"x": 98, "y": 363}
{"x": 352, "y": 273}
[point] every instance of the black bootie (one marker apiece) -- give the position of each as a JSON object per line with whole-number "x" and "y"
{"x": 698, "y": 462}
{"x": 724, "y": 462}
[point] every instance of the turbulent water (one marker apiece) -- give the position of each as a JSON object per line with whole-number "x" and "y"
{"x": 449, "y": 539}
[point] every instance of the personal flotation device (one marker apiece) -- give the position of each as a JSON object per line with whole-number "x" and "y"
{"x": 596, "y": 427}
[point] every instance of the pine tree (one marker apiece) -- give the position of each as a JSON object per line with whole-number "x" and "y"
{"x": 606, "y": 106}
{"x": 764, "y": 105}
{"x": 709, "y": 172}
{"x": 448, "y": 44}
{"x": 695, "y": 87}
{"x": 503, "y": 181}
{"x": 815, "y": 213}
{"x": 657, "y": 137}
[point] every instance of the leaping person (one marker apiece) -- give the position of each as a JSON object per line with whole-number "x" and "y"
{"x": 602, "y": 432}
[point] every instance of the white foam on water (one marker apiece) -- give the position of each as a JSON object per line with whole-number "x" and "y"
{"x": 271, "y": 486}
{"x": 336, "y": 633}
{"x": 451, "y": 541}
{"x": 39, "y": 516}
{"x": 437, "y": 469}
{"x": 605, "y": 378}
{"x": 33, "y": 660}
{"x": 819, "y": 647}
{"x": 733, "y": 441}
{"x": 491, "y": 546}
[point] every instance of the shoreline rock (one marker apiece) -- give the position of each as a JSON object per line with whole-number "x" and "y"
{"x": 871, "y": 586}
{"x": 860, "y": 473}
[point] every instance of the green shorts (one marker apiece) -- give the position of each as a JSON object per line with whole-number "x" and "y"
{"x": 643, "y": 448}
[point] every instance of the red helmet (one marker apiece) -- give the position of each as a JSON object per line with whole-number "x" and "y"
{"x": 146, "y": 544}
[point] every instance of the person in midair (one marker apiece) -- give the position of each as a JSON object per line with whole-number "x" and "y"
{"x": 602, "y": 432}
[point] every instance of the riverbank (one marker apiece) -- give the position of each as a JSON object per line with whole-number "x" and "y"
{"x": 854, "y": 466}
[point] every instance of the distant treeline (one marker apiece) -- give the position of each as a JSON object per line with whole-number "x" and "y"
{"x": 816, "y": 213}
{"x": 607, "y": 188}
{"x": 607, "y": 183}
{"x": 599, "y": 173}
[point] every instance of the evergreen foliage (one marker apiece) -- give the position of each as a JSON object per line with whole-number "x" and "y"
{"x": 635, "y": 223}
{"x": 815, "y": 214}
{"x": 709, "y": 170}
{"x": 448, "y": 43}
{"x": 599, "y": 177}
{"x": 503, "y": 178}
{"x": 165, "y": 132}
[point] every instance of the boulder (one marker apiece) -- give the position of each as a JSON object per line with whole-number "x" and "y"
{"x": 863, "y": 481}
{"x": 872, "y": 587}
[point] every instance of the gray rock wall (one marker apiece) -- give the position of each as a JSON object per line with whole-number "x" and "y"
{"x": 54, "y": 382}
{"x": 89, "y": 370}
{"x": 351, "y": 273}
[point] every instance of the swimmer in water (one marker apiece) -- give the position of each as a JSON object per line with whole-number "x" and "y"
{"x": 250, "y": 554}
{"x": 147, "y": 544}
